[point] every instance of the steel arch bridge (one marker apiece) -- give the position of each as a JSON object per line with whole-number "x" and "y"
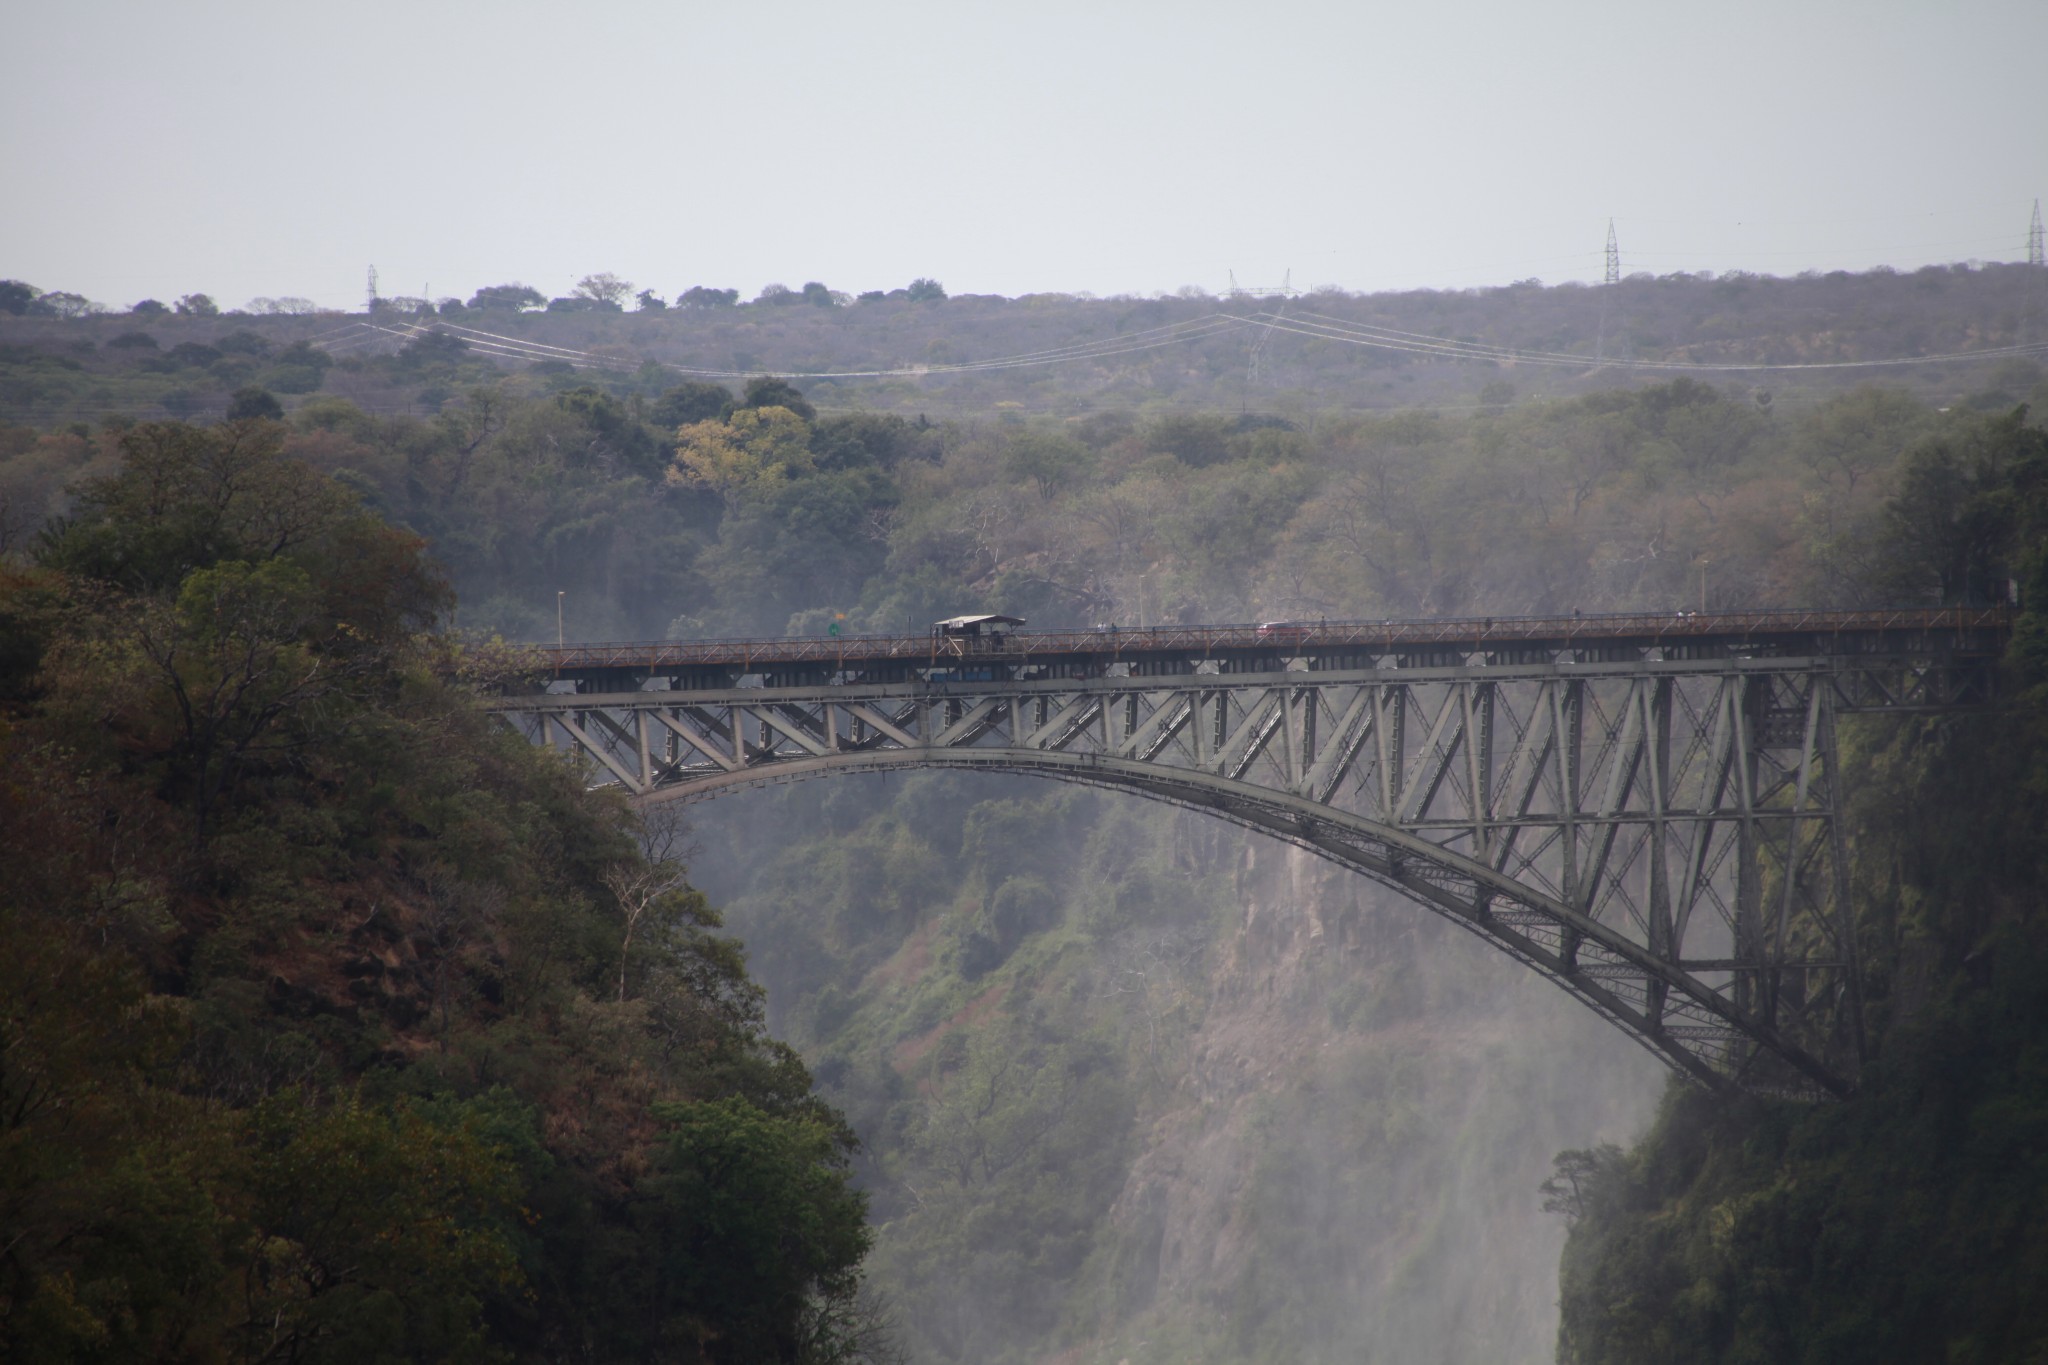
{"x": 1645, "y": 809}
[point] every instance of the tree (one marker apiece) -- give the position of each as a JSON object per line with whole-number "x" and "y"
{"x": 508, "y": 296}
{"x": 242, "y": 341}
{"x": 857, "y": 439}
{"x": 817, "y": 294}
{"x": 700, "y": 296}
{"x": 756, "y": 448}
{"x": 1197, "y": 439}
{"x": 650, "y": 302}
{"x": 254, "y": 401}
{"x": 620, "y": 436}
{"x": 926, "y": 290}
{"x": 654, "y": 881}
{"x": 198, "y": 306}
{"x": 606, "y": 290}
{"x": 1581, "y": 1179}
{"x": 778, "y": 294}
{"x": 17, "y": 297}
{"x": 149, "y": 308}
{"x": 757, "y": 1222}
{"x": 428, "y": 347}
{"x": 63, "y": 304}
{"x": 1949, "y": 531}
{"x": 691, "y": 402}
{"x": 1049, "y": 462}
{"x": 1851, "y": 437}
{"x": 383, "y": 1233}
{"x": 769, "y": 391}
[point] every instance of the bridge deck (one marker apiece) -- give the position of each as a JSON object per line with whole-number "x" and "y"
{"x": 1937, "y": 630}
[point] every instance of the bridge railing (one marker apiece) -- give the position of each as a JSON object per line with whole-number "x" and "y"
{"x": 1293, "y": 636}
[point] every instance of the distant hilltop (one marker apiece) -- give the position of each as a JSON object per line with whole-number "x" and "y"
{"x": 1945, "y": 332}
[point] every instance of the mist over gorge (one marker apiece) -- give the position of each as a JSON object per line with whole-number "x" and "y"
{"x": 1308, "y": 1120}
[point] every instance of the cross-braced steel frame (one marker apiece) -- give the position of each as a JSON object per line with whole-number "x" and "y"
{"x": 1658, "y": 834}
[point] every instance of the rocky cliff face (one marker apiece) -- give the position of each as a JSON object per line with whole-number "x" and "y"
{"x": 1354, "y": 1140}
{"x": 1335, "y": 1108}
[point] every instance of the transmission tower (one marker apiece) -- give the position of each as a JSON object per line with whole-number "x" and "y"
{"x": 1613, "y": 255}
{"x": 2036, "y": 254}
{"x": 371, "y": 305}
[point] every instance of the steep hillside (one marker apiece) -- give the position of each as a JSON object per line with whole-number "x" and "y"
{"x": 337, "y": 1024}
{"x": 1905, "y": 1223}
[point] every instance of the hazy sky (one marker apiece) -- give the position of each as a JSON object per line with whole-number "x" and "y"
{"x": 155, "y": 149}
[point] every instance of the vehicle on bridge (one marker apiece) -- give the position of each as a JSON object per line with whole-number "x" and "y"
{"x": 973, "y": 634}
{"x": 1285, "y": 632}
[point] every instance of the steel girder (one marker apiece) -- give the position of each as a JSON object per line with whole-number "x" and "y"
{"x": 1659, "y": 837}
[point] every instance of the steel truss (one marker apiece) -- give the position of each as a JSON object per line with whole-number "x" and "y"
{"x": 1659, "y": 836}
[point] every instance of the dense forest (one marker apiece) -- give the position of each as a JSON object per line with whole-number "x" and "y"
{"x": 336, "y": 1025}
{"x": 1126, "y": 1085}
{"x": 1910, "y": 1221}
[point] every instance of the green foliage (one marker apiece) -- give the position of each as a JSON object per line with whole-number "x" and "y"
{"x": 691, "y": 402}
{"x": 1950, "y": 528}
{"x": 605, "y": 289}
{"x": 18, "y": 296}
{"x": 339, "y": 1025}
{"x": 253, "y": 402}
{"x": 1906, "y": 1222}
{"x": 767, "y": 391}
{"x": 860, "y": 439}
{"x": 752, "y": 1219}
{"x": 704, "y": 296}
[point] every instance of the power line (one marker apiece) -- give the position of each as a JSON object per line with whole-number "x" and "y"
{"x": 1326, "y": 328}
{"x": 1149, "y": 339}
{"x": 1315, "y": 326}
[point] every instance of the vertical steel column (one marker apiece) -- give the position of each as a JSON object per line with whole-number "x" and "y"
{"x": 1311, "y": 702}
{"x": 1753, "y": 994}
{"x": 1477, "y": 700}
{"x": 1657, "y": 698}
{"x": 1290, "y": 737}
{"x": 1568, "y": 716}
{"x": 1391, "y": 730}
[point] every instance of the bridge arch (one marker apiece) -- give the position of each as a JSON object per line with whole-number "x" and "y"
{"x": 1684, "y": 1022}
{"x": 1643, "y": 809}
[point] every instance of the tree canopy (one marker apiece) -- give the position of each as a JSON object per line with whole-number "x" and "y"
{"x": 338, "y": 1024}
